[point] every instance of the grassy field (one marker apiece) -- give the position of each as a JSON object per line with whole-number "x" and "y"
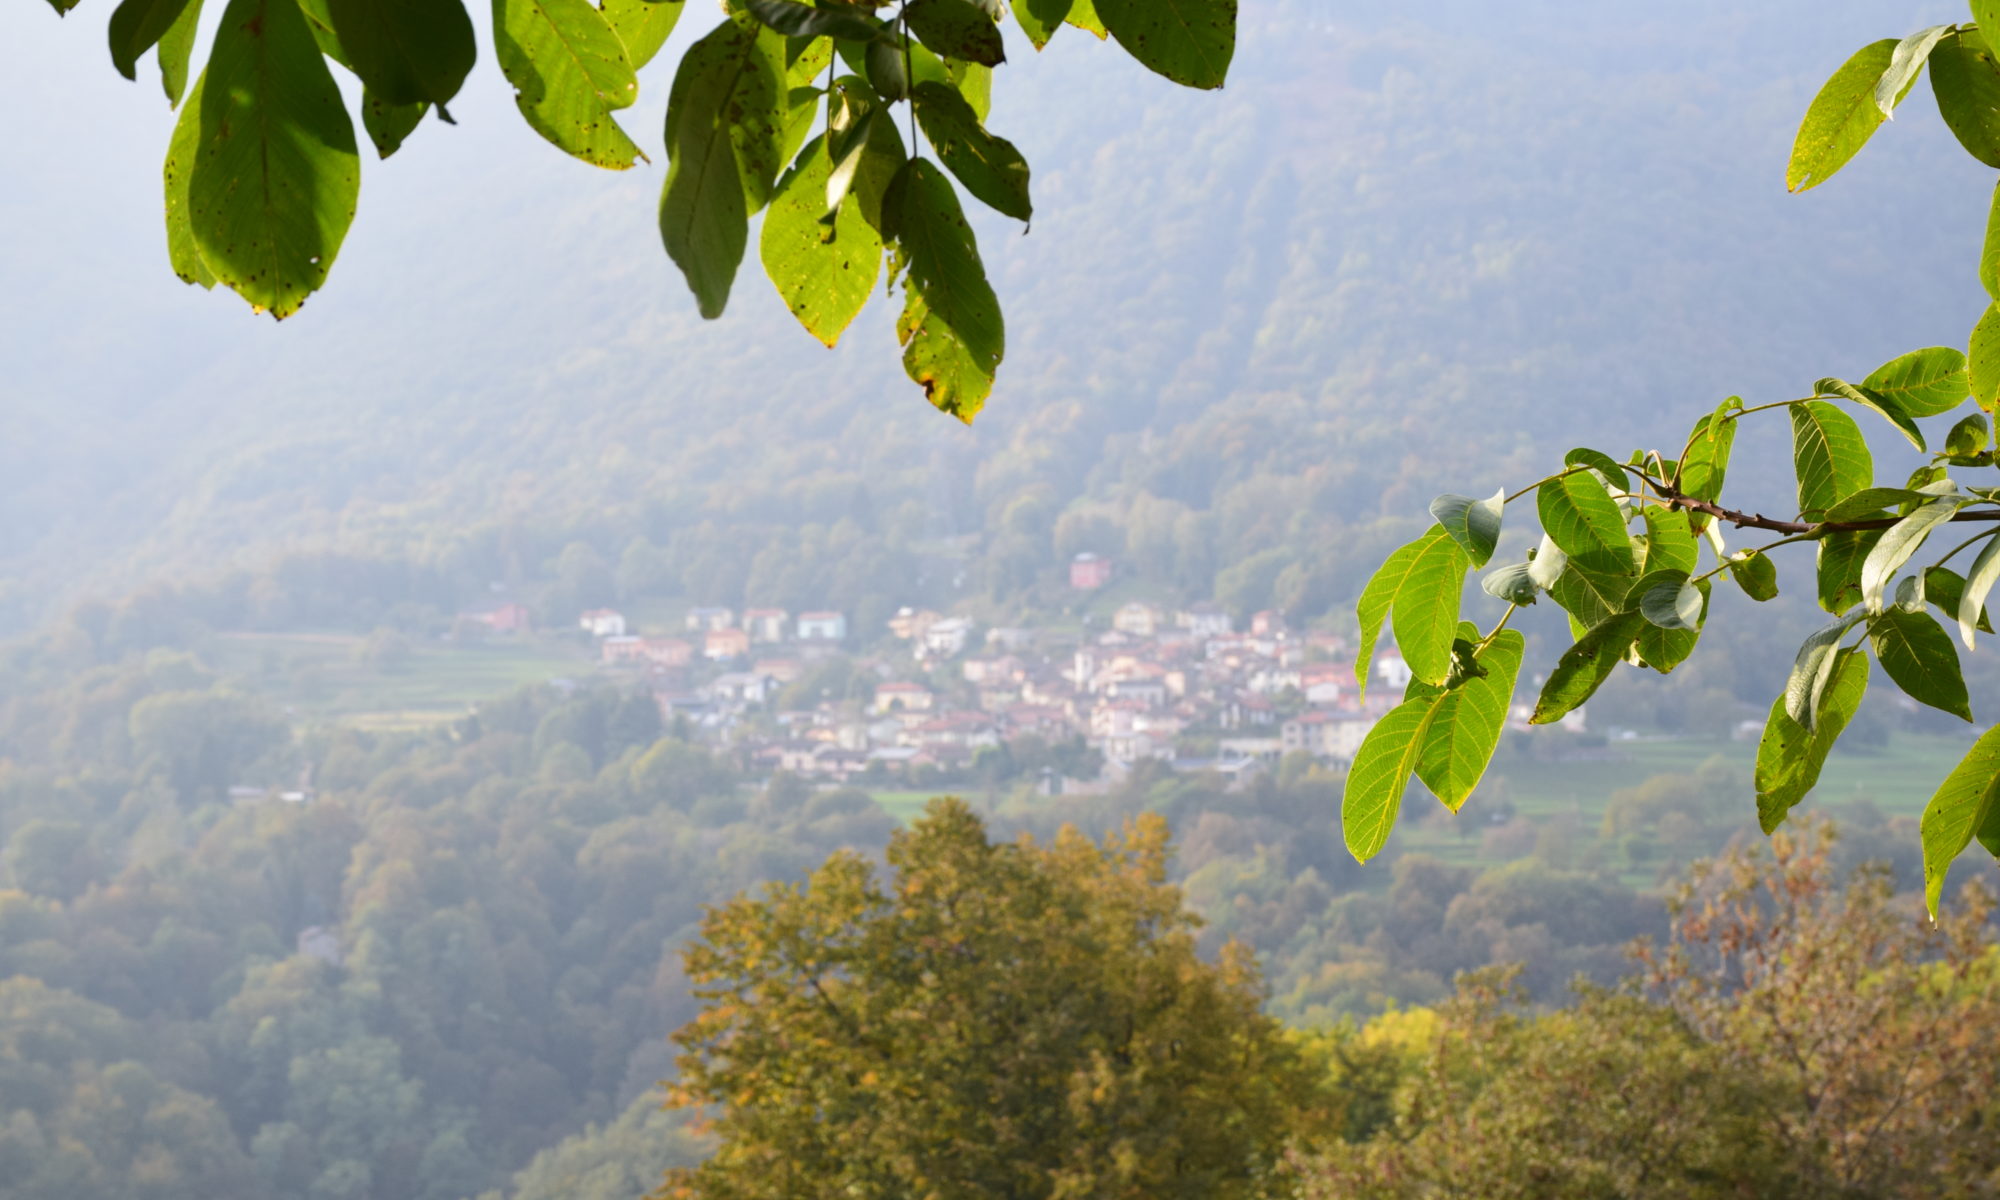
{"x": 323, "y": 675}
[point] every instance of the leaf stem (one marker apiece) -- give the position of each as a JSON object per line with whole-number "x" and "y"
{"x": 1505, "y": 617}
{"x": 1977, "y": 537}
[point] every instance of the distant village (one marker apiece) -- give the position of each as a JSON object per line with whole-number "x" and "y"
{"x": 932, "y": 691}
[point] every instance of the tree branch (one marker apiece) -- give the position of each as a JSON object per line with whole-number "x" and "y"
{"x": 1675, "y": 499}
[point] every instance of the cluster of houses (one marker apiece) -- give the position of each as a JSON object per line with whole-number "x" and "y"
{"x": 1185, "y": 686}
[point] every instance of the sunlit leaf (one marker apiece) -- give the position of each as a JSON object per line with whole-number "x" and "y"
{"x": 1964, "y": 805}
{"x": 1967, "y": 87}
{"x": 1586, "y": 522}
{"x": 1419, "y": 584}
{"x": 1924, "y": 382}
{"x": 1829, "y": 454}
{"x": 570, "y": 73}
{"x": 1841, "y": 119}
{"x": 951, "y": 329}
{"x": 1790, "y": 756}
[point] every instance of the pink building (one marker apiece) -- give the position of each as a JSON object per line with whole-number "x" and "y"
{"x": 1088, "y": 572}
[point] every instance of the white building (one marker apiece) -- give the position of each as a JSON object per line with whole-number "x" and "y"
{"x": 822, "y": 627}
{"x": 602, "y": 623}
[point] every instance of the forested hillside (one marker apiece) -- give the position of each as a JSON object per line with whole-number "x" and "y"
{"x": 1230, "y": 317}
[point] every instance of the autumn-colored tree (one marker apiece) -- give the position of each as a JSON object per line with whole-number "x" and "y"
{"x": 997, "y": 1019}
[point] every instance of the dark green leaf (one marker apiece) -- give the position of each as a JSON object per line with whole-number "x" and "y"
{"x": 642, "y": 25}
{"x": 1598, "y": 460}
{"x": 803, "y": 20}
{"x": 956, "y": 29}
{"x": 136, "y": 26}
{"x": 570, "y": 73}
{"x": 176, "y": 47}
{"x": 406, "y": 51}
{"x": 276, "y": 174}
{"x": 1841, "y": 554}
{"x": 1586, "y": 665}
{"x": 1041, "y": 18}
{"x": 1188, "y": 41}
{"x": 1790, "y": 756}
{"x": 181, "y": 249}
{"x": 1756, "y": 574}
{"x": 989, "y": 167}
{"x": 1589, "y": 596}
{"x": 887, "y": 72}
{"x": 388, "y": 124}
{"x": 1962, "y": 805}
{"x": 1923, "y": 382}
{"x": 951, "y": 329}
{"x": 1586, "y": 522}
{"x": 1918, "y": 655}
{"x": 725, "y": 136}
{"x": 1829, "y": 454}
{"x": 1891, "y": 410}
{"x": 321, "y": 22}
{"x": 1420, "y": 584}
{"x": 1473, "y": 524}
{"x": 1967, "y": 88}
{"x": 1842, "y": 117}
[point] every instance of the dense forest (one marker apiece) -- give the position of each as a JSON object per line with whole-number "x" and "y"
{"x": 250, "y": 958}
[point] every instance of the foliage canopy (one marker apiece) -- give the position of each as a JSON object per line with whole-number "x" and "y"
{"x": 1011, "y": 1019}
{"x": 1621, "y": 547}
{"x": 263, "y": 171}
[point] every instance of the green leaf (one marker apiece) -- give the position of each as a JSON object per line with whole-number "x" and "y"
{"x": 1458, "y": 743}
{"x": 570, "y": 73}
{"x": 1868, "y": 503}
{"x": 1904, "y": 65}
{"x": 1083, "y": 15}
{"x": 956, "y": 29}
{"x": 1589, "y": 596}
{"x": 1945, "y": 588}
{"x": 825, "y": 272}
{"x": 1841, "y": 554}
{"x": 1670, "y": 544}
{"x": 1041, "y": 18}
{"x": 1586, "y": 522}
{"x": 1918, "y": 655}
{"x": 1989, "y": 250}
{"x": 1419, "y": 584}
{"x": 989, "y": 167}
{"x": 725, "y": 136}
{"x": 1511, "y": 583}
{"x": 1829, "y": 454}
{"x": 276, "y": 174}
{"x": 1473, "y": 524}
{"x": 1811, "y": 669}
{"x": 1790, "y": 756}
{"x": 1923, "y": 382}
{"x": 1841, "y": 118}
{"x": 1380, "y": 774}
{"x": 1970, "y": 436}
{"x": 1669, "y": 600}
{"x": 176, "y": 47}
{"x": 181, "y": 249}
{"x": 1967, "y": 87}
{"x": 1889, "y": 408}
{"x": 321, "y": 23}
{"x": 137, "y": 26}
{"x": 1756, "y": 574}
{"x": 643, "y": 26}
{"x": 388, "y": 124}
{"x": 1963, "y": 804}
{"x": 1598, "y": 460}
{"x": 803, "y": 20}
{"x": 1971, "y": 606}
{"x": 952, "y": 333}
{"x": 1188, "y": 41}
{"x": 1586, "y": 665}
{"x": 1984, "y": 361}
{"x": 406, "y": 51}
{"x": 1705, "y": 465}
{"x": 1898, "y": 543}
